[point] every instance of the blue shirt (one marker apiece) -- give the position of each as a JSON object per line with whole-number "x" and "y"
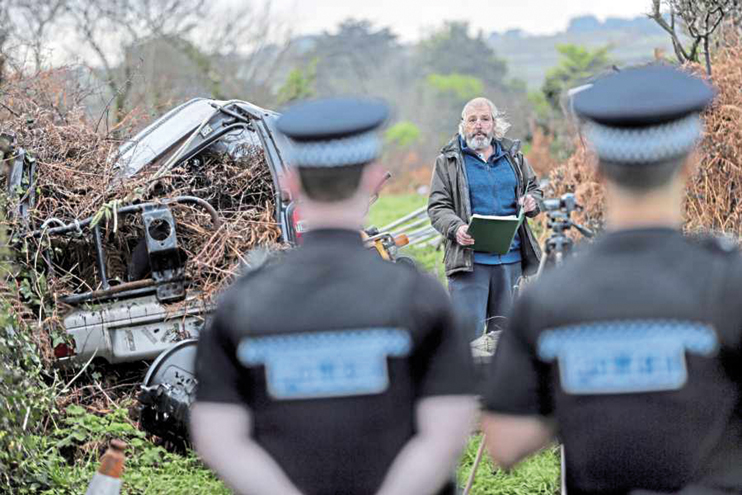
{"x": 493, "y": 191}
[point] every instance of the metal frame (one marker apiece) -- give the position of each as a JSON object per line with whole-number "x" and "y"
{"x": 163, "y": 275}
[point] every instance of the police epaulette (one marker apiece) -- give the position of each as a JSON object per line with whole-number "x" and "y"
{"x": 719, "y": 243}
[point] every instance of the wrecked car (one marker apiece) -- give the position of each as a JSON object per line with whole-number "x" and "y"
{"x": 151, "y": 309}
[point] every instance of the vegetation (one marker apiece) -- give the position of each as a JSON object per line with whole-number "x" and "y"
{"x": 402, "y": 135}
{"x": 25, "y": 403}
{"x": 461, "y": 87}
{"x": 576, "y": 65}
{"x": 299, "y": 85}
{"x": 700, "y": 20}
{"x": 25, "y": 398}
{"x": 539, "y": 475}
{"x": 73, "y": 448}
{"x": 451, "y": 49}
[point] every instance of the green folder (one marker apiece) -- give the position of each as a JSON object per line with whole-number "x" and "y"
{"x": 493, "y": 234}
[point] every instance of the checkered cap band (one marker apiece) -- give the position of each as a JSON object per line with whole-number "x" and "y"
{"x": 656, "y": 143}
{"x": 351, "y": 150}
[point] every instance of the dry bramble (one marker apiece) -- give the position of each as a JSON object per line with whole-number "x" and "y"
{"x": 76, "y": 179}
{"x": 712, "y": 199}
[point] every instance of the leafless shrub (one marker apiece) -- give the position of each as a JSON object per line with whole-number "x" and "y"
{"x": 75, "y": 181}
{"x": 700, "y": 20}
{"x": 713, "y": 194}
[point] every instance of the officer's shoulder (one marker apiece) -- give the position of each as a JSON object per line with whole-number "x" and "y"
{"x": 398, "y": 271}
{"x": 258, "y": 261}
{"x": 256, "y": 266}
{"x": 715, "y": 243}
{"x": 558, "y": 284}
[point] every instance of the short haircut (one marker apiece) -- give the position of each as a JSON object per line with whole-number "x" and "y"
{"x": 641, "y": 178}
{"x": 330, "y": 184}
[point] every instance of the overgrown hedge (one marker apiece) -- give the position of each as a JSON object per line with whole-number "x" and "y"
{"x": 26, "y": 403}
{"x": 713, "y": 194}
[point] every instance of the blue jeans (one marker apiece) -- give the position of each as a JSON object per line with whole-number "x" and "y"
{"x": 486, "y": 294}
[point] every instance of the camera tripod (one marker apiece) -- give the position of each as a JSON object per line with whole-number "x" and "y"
{"x": 558, "y": 245}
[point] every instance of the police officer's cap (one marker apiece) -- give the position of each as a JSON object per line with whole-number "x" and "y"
{"x": 334, "y": 132}
{"x": 644, "y": 115}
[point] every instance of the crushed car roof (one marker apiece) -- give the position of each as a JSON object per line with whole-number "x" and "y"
{"x": 157, "y": 139}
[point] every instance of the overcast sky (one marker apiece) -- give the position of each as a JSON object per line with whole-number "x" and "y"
{"x": 413, "y": 19}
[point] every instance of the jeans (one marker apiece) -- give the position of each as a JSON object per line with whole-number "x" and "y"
{"x": 486, "y": 294}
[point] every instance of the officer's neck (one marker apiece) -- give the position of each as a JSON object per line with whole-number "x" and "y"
{"x": 350, "y": 214}
{"x": 662, "y": 208}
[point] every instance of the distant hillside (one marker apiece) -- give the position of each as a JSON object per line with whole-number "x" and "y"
{"x": 529, "y": 57}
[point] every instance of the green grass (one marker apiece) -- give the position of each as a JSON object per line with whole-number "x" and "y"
{"x": 391, "y": 207}
{"x": 150, "y": 469}
{"x": 72, "y": 456}
{"x": 538, "y": 475}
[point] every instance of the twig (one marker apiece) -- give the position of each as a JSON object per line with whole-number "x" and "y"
{"x": 67, "y": 387}
{"x": 6, "y": 107}
{"x": 110, "y": 401}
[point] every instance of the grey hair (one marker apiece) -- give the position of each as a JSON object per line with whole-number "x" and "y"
{"x": 501, "y": 124}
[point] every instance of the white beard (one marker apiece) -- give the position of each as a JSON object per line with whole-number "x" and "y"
{"x": 478, "y": 142}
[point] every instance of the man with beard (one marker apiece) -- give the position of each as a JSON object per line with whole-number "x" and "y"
{"x": 481, "y": 172}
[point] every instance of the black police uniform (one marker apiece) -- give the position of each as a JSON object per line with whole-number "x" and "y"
{"x": 330, "y": 348}
{"x": 635, "y": 346}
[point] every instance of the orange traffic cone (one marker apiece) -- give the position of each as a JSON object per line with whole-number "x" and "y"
{"x": 107, "y": 481}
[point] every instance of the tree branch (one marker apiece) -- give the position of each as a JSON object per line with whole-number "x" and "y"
{"x": 656, "y": 15}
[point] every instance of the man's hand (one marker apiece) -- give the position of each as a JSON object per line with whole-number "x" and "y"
{"x": 528, "y": 203}
{"x": 463, "y": 237}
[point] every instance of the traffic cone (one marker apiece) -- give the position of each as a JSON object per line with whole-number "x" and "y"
{"x": 107, "y": 481}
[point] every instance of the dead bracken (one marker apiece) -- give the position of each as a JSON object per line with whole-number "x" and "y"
{"x": 712, "y": 200}
{"x": 75, "y": 179}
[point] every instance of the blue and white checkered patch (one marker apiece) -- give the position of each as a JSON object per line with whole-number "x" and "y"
{"x": 645, "y": 144}
{"x": 339, "y": 152}
{"x": 627, "y": 356}
{"x": 326, "y": 364}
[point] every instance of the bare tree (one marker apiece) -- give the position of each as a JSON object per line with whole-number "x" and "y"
{"x": 33, "y": 19}
{"x": 4, "y": 37}
{"x": 217, "y": 51}
{"x": 133, "y": 47}
{"x": 241, "y": 50}
{"x": 109, "y": 29}
{"x": 699, "y": 18}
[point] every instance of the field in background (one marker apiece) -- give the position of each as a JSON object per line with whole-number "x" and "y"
{"x": 391, "y": 207}
{"x": 540, "y": 474}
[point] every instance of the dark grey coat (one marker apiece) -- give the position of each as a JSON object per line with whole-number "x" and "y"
{"x": 449, "y": 205}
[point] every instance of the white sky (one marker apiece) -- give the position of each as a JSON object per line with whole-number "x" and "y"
{"x": 413, "y": 19}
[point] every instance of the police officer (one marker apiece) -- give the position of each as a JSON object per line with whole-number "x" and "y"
{"x": 631, "y": 352}
{"x": 333, "y": 371}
